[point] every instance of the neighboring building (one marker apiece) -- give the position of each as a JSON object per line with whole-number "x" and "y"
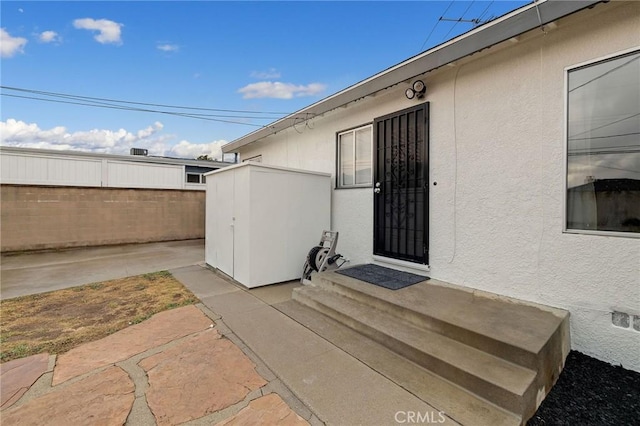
{"x": 55, "y": 199}
{"x": 27, "y": 166}
{"x": 479, "y": 178}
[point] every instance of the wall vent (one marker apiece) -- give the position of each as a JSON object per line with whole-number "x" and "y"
{"x": 625, "y": 320}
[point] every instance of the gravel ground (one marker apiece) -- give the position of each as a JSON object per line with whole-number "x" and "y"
{"x": 591, "y": 392}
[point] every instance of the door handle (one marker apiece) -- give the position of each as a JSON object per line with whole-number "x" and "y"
{"x": 376, "y": 190}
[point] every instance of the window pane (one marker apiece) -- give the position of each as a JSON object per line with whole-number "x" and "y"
{"x": 346, "y": 158}
{"x": 603, "y": 143}
{"x": 192, "y": 178}
{"x": 363, "y": 156}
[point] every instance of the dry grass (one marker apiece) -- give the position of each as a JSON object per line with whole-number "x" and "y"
{"x": 60, "y": 320}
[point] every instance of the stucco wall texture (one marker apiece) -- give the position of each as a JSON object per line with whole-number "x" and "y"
{"x": 497, "y": 149}
{"x": 41, "y": 217}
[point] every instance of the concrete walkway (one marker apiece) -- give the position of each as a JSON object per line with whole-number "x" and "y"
{"x": 31, "y": 273}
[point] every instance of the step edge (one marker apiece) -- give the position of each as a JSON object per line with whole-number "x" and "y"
{"x": 524, "y": 356}
{"x": 527, "y": 376}
{"x": 558, "y": 314}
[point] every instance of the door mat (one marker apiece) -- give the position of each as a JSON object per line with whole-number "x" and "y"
{"x": 381, "y": 276}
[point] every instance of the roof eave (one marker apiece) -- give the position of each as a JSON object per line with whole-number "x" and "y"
{"x": 508, "y": 26}
{"x": 129, "y": 158}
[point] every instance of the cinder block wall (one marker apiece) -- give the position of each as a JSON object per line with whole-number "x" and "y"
{"x": 41, "y": 217}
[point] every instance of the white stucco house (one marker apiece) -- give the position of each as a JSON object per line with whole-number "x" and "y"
{"x": 515, "y": 170}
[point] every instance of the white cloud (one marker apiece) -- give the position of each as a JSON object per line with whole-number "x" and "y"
{"x": 145, "y": 133}
{"x": 49, "y": 37}
{"x": 168, "y": 47}
{"x": 186, "y": 149}
{"x": 9, "y": 45}
{"x": 266, "y": 75}
{"x": 30, "y": 135}
{"x": 278, "y": 90}
{"x": 109, "y": 31}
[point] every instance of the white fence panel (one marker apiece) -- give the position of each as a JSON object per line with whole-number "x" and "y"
{"x": 141, "y": 175}
{"x": 47, "y": 170}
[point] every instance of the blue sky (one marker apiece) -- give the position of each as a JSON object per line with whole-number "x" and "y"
{"x": 246, "y": 56}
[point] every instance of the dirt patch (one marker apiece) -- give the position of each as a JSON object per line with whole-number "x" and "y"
{"x": 57, "y": 321}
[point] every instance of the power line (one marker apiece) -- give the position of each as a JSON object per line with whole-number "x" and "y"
{"x": 604, "y": 137}
{"x": 604, "y": 151}
{"x": 199, "y": 116}
{"x": 602, "y": 147}
{"x": 485, "y": 10}
{"x": 124, "y": 107}
{"x": 606, "y": 125}
{"x": 458, "y": 21}
{"x": 605, "y": 73}
{"x": 435, "y": 25}
{"x": 67, "y": 95}
{"x": 65, "y": 98}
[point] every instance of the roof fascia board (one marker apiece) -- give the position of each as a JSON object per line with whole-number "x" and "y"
{"x": 511, "y": 25}
{"x": 127, "y": 158}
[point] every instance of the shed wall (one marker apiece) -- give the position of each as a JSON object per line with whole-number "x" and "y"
{"x": 264, "y": 222}
{"x": 497, "y": 149}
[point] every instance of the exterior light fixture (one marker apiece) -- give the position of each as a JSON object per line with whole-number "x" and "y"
{"x": 416, "y": 90}
{"x": 409, "y": 93}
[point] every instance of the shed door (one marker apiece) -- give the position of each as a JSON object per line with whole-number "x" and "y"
{"x": 225, "y": 222}
{"x": 401, "y": 191}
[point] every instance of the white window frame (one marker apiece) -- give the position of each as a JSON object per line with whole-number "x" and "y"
{"x": 566, "y": 148}
{"x": 339, "y": 184}
{"x": 201, "y": 178}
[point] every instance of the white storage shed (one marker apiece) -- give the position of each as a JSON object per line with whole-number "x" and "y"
{"x": 261, "y": 221}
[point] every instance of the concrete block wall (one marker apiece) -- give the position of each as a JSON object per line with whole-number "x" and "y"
{"x": 44, "y": 217}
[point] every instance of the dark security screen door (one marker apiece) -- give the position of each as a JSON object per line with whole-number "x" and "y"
{"x": 401, "y": 192}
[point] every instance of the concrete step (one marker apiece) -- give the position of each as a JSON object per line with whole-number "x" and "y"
{"x": 533, "y": 336}
{"x": 503, "y": 350}
{"x": 464, "y": 407}
{"x": 499, "y": 381}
